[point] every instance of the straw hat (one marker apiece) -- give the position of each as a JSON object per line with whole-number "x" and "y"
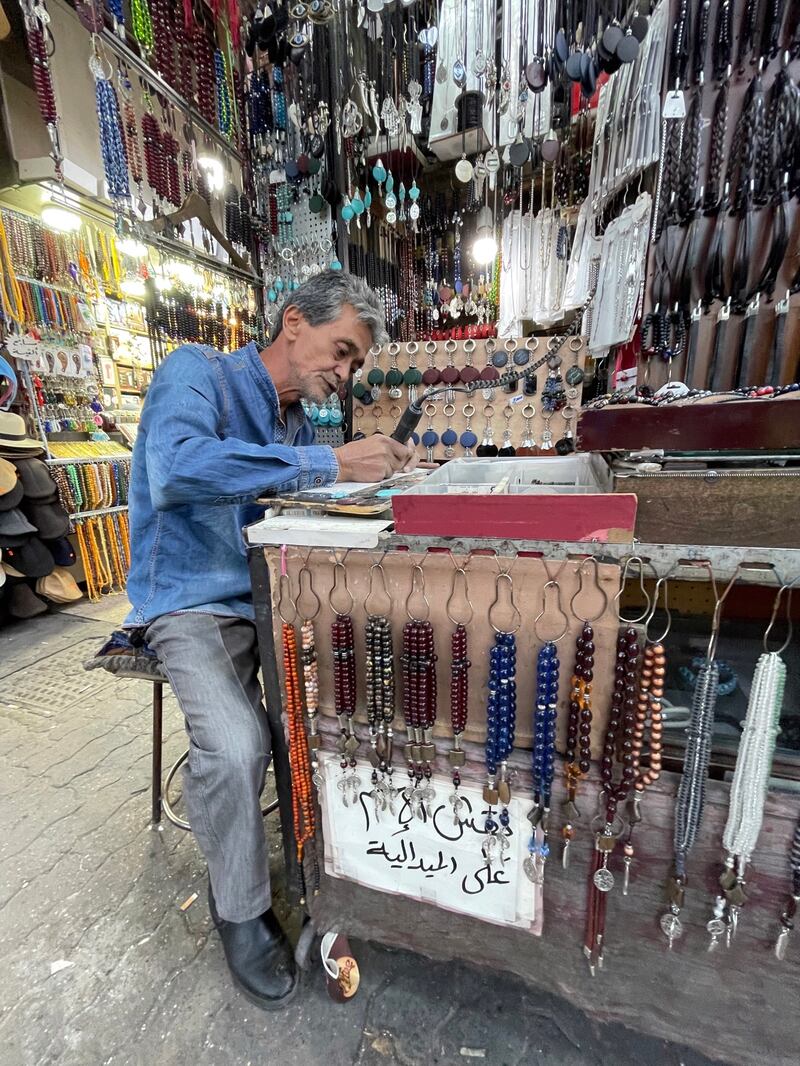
{"x": 13, "y": 436}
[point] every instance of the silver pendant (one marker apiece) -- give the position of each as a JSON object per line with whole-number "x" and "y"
{"x": 479, "y": 63}
{"x": 459, "y": 74}
{"x": 603, "y": 879}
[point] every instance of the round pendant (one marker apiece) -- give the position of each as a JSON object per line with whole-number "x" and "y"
{"x": 574, "y": 376}
{"x": 561, "y": 47}
{"x": 639, "y": 27}
{"x": 492, "y": 161}
{"x": 464, "y": 170}
{"x": 519, "y": 153}
{"x": 391, "y": 217}
{"x": 441, "y": 72}
{"x": 628, "y": 49}
{"x": 603, "y": 879}
{"x": 716, "y": 927}
{"x": 612, "y": 35}
{"x": 391, "y": 201}
{"x": 413, "y": 212}
{"x": 316, "y": 203}
{"x": 671, "y": 926}
{"x": 529, "y": 866}
{"x": 574, "y": 66}
{"x": 479, "y": 64}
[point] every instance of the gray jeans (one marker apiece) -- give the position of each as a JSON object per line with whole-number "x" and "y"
{"x": 212, "y": 664}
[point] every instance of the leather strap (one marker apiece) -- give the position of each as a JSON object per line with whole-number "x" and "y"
{"x": 776, "y": 356}
{"x": 744, "y": 372}
{"x": 717, "y": 367}
{"x": 691, "y": 348}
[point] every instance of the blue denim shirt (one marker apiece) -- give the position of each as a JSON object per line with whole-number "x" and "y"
{"x": 211, "y": 440}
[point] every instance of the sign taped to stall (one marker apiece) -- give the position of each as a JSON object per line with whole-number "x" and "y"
{"x": 432, "y": 859}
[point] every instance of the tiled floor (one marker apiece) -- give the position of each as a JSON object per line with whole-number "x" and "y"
{"x": 100, "y": 965}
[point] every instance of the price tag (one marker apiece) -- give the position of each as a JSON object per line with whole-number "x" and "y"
{"x": 674, "y": 105}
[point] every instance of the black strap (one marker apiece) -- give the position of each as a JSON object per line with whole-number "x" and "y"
{"x": 741, "y": 261}
{"x": 691, "y": 349}
{"x": 779, "y": 241}
{"x": 776, "y": 357}
{"x": 717, "y": 366}
{"x": 715, "y": 287}
{"x": 747, "y": 340}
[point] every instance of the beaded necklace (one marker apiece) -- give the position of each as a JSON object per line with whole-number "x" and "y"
{"x": 380, "y": 697}
{"x": 112, "y": 140}
{"x": 691, "y": 793}
{"x": 142, "y": 25}
{"x": 543, "y": 753}
{"x": 344, "y": 689}
{"x": 501, "y": 717}
{"x": 459, "y": 688}
{"x": 39, "y": 38}
{"x": 579, "y": 725}
{"x": 419, "y": 701}
{"x": 310, "y": 672}
{"x": 622, "y": 724}
{"x": 750, "y": 782}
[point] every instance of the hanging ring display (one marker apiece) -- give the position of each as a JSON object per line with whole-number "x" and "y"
{"x": 339, "y": 568}
{"x": 505, "y": 575}
{"x": 788, "y": 589}
{"x": 580, "y": 571}
{"x": 417, "y": 573}
{"x": 660, "y": 583}
{"x": 379, "y": 567}
{"x": 459, "y": 574}
{"x": 284, "y": 593}
{"x": 305, "y": 573}
{"x": 639, "y": 618}
{"x": 551, "y": 640}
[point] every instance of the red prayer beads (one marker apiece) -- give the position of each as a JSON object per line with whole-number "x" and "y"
{"x": 579, "y": 729}
{"x": 419, "y": 710}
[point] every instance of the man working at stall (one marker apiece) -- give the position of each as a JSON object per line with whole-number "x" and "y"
{"x": 216, "y": 433}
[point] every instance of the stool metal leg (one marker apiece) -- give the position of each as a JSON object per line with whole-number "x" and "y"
{"x": 158, "y": 724}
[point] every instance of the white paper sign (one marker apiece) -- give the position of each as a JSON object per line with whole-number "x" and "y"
{"x": 430, "y": 859}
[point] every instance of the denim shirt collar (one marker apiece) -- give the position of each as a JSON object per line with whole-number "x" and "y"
{"x": 295, "y": 415}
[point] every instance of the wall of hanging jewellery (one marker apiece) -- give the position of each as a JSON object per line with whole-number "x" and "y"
{"x": 394, "y": 644}
{"x": 538, "y": 416}
{"x": 723, "y": 274}
{"x": 90, "y": 485}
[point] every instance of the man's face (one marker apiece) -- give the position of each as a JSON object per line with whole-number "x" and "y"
{"x": 324, "y": 357}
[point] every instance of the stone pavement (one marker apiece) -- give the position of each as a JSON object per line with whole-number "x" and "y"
{"x": 101, "y": 966}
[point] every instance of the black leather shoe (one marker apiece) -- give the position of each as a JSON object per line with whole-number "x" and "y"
{"x": 259, "y": 957}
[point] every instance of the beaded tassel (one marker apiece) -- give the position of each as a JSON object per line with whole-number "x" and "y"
{"x": 501, "y": 715}
{"x": 112, "y": 141}
{"x": 459, "y": 703}
{"x": 748, "y": 792}
{"x": 691, "y": 793}
{"x": 311, "y": 686}
{"x": 419, "y": 711}
{"x": 543, "y": 757}
{"x": 790, "y": 906}
{"x": 344, "y": 688}
{"x": 579, "y": 731}
{"x": 303, "y": 815}
{"x": 651, "y": 692}
{"x": 619, "y": 735}
{"x": 379, "y": 674}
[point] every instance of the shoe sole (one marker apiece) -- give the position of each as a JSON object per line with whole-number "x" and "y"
{"x": 266, "y": 1004}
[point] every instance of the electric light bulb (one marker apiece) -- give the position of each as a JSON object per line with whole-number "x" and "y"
{"x": 214, "y": 171}
{"x": 132, "y": 286}
{"x": 60, "y": 219}
{"x": 130, "y": 246}
{"x": 485, "y": 248}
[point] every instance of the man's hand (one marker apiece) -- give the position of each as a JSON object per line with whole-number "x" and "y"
{"x": 374, "y": 458}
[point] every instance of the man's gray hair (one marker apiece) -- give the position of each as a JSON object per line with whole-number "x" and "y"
{"x": 323, "y": 296}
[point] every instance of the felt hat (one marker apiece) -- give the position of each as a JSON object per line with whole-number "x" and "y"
{"x": 31, "y": 558}
{"x": 24, "y": 603}
{"x": 13, "y": 523}
{"x": 13, "y": 436}
{"x": 49, "y": 518}
{"x": 37, "y": 484}
{"x": 10, "y": 490}
{"x": 8, "y": 476}
{"x": 62, "y": 551}
{"x": 60, "y": 587}
{"x": 9, "y": 570}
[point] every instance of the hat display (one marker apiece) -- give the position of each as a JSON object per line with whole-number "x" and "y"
{"x": 60, "y": 587}
{"x": 13, "y": 436}
{"x": 8, "y": 476}
{"x": 13, "y": 523}
{"x": 24, "y": 603}
{"x": 62, "y": 551}
{"x": 30, "y": 558}
{"x": 13, "y": 497}
{"x": 49, "y": 518}
{"x": 37, "y": 483}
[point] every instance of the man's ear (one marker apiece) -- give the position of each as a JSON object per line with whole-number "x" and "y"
{"x": 293, "y": 319}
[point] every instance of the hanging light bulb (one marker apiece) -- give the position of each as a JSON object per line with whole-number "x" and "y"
{"x": 130, "y": 246}
{"x": 485, "y": 247}
{"x": 214, "y": 171}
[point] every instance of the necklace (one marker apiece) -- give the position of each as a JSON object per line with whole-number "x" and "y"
{"x": 112, "y": 141}
{"x": 344, "y": 690}
{"x": 308, "y": 658}
{"x": 691, "y": 793}
{"x": 577, "y": 763}
{"x": 750, "y": 782}
{"x": 501, "y": 717}
{"x": 459, "y": 688}
{"x": 303, "y": 816}
{"x": 419, "y": 702}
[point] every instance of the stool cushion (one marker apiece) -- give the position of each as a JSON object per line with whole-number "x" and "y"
{"x": 121, "y": 657}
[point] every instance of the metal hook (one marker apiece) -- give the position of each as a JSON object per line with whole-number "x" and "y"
{"x": 505, "y": 575}
{"x": 416, "y": 569}
{"x": 661, "y": 582}
{"x": 598, "y": 586}
{"x": 543, "y": 612}
{"x": 337, "y": 567}
{"x": 459, "y": 571}
{"x": 775, "y": 608}
{"x": 372, "y": 569}
{"x": 717, "y": 616}
{"x": 285, "y": 588}
{"x": 623, "y": 576}
{"x": 304, "y": 569}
